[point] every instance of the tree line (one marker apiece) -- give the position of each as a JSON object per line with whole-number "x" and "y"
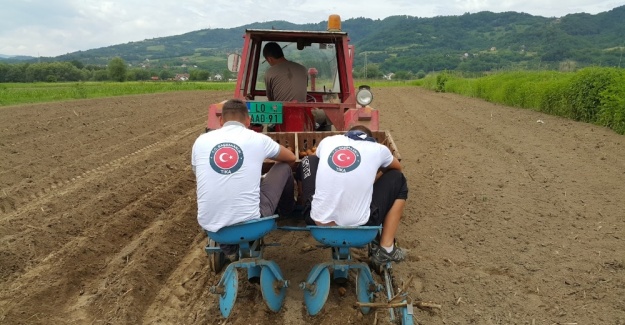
{"x": 408, "y": 46}
{"x": 116, "y": 70}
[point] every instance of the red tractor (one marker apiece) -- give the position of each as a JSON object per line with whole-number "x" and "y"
{"x": 333, "y": 103}
{"x": 332, "y": 106}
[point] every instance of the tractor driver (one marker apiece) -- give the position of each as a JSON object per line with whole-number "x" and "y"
{"x": 351, "y": 181}
{"x": 285, "y": 80}
{"x": 227, "y": 163}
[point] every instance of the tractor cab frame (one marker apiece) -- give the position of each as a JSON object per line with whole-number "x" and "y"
{"x": 333, "y": 103}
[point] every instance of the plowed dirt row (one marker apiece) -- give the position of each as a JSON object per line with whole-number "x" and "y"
{"x": 514, "y": 217}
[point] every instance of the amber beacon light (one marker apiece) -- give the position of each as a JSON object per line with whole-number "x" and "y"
{"x": 334, "y": 23}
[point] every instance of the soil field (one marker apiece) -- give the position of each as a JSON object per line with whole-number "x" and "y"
{"x": 513, "y": 217}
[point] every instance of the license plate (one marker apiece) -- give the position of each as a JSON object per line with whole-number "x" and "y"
{"x": 265, "y": 112}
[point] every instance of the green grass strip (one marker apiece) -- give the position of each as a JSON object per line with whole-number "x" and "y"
{"x": 24, "y": 93}
{"x": 594, "y": 95}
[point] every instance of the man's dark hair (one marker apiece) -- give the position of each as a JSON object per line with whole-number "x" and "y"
{"x": 272, "y": 49}
{"x": 363, "y": 129}
{"x": 234, "y": 109}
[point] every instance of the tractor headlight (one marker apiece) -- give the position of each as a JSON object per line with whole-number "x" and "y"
{"x": 364, "y": 95}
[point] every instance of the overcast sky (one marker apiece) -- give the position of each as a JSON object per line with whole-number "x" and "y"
{"x": 55, "y": 27}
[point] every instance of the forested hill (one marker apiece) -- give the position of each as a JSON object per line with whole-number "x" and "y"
{"x": 471, "y": 42}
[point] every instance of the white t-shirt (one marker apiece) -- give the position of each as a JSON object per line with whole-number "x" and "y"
{"x": 228, "y": 164}
{"x": 345, "y": 177}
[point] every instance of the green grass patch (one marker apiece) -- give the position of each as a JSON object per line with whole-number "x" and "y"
{"x": 24, "y": 93}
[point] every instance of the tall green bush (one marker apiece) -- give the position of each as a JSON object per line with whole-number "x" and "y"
{"x": 441, "y": 79}
{"x": 585, "y": 92}
{"x": 594, "y": 95}
{"x": 553, "y": 99}
{"x": 612, "y": 110}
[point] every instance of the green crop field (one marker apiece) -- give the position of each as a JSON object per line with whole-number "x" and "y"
{"x": 23, "y": 93}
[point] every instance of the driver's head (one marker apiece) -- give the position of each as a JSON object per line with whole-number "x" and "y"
{"x": 235, "y": 110}
{"x": 272, "y": 50}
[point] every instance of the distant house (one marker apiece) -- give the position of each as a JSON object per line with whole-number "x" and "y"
{"x": 154, "y": 78}
{"x": 218, "y": 77}
{"x": 181, "y": 77}
{"x": 388, "y": 76}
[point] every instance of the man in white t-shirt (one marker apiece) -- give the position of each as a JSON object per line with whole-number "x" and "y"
{"x": 356, "y": 181}
{"x": 227, "y": 163}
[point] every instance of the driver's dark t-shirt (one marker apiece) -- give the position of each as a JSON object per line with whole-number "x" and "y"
{"x": 286, "y": 82}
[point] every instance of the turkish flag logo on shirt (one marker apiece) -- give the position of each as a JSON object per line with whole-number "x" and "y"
{"x": 226, "y": 158}
{"x": 344, "y": 159}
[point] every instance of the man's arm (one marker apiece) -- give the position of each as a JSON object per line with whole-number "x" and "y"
{"x": 393, "y": 165}
{"x": 285, "y": 155}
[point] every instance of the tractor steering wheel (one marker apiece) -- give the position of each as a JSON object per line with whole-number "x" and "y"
{"x": 310, "y": 98}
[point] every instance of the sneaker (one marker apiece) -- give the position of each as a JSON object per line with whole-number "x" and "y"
{"x": 373, "y": 246}
{"x": 380, "y": 256}
{"x": 232, "y": 257}
{"x": 229, "y": 249}
{"x": 231, "y": 252}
